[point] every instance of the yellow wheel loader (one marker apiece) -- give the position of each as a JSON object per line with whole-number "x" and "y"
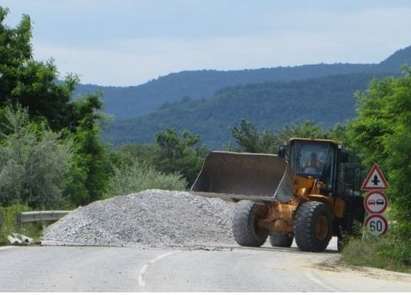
{"x": 308, "y": 191}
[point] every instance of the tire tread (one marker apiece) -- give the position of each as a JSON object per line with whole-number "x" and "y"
{"x": 243, "y": 227}
{"x": 303, "y": 226}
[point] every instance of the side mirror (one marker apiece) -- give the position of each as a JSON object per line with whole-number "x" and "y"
{"x": 282, "y": 151}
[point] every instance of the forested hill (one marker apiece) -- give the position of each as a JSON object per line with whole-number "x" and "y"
{"x": 269, "y": 105}
{"x": 394, "y": 62}
{"x": 129, "y": 102}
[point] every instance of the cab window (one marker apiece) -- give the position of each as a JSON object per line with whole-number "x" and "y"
{"x": 313, "y": 159}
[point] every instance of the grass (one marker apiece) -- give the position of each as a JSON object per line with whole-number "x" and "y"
{"x": 388, "y": 252}
{"x": 9, "y": 225}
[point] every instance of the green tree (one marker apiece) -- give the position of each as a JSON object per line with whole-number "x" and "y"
{"x": 179, "y": 153}
{"x": 129, "y": 153}
{"x": 382, "y": 133}
{"x": 92, "y": 169}
{"x": 34, "y": 162}
{"x": 249, "y": 139}
{"x": 35, "y": 86}
{"x": 32, "y": 84}
{"x": 306, "y": 129}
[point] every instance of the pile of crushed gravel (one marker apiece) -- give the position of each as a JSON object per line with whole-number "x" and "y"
{"x": 152, "y": 218}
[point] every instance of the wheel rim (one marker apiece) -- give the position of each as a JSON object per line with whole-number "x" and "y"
{"x": 258, "y": 229}
{"x": 321, "y": 228}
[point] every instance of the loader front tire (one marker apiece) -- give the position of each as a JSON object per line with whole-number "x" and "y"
{"x": 281, "y": 240}
{"x": 313, "y": 226}
{"x": 245, "y": 228}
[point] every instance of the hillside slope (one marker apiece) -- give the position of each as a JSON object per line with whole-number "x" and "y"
{"x": 133, "y": 101}
{"x": 269, "y": 105}
{"x": 394, "y": 62}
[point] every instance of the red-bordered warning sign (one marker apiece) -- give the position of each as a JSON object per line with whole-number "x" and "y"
{"x": 375, "y": 202}
{"x": 376, "y": 224}
{"x": 375, "y": 179}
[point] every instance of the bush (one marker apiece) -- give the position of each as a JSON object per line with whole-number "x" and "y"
{"x": 389, "y": 252}
{"x": 33, "y": 162}
{"x": 8, "y": 215}
{"x": 137, "y": 177}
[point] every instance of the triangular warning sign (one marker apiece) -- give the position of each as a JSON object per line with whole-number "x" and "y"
{"x": 375, "y": 179}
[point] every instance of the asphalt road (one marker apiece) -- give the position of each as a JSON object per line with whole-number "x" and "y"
{"x": 214, "y": 269}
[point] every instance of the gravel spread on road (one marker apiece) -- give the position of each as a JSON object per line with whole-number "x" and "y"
{"x": 152, "y": 218}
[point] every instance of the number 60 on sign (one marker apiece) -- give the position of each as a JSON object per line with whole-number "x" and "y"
{"x": 376, "y": 225}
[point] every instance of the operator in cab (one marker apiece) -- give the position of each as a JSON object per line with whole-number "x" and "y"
{"x": 314, "y": 165}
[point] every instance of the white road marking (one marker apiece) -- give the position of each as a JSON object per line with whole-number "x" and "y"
{"x": 6, "y": 247}
{"x": 141, "y": 281}
{"x": 316, "y": 280}
{"x": 143, "y": 270}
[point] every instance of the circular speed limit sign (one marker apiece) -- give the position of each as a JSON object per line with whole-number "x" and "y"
{"x": 375, "y": 202}
{"x": 376, "y": 224}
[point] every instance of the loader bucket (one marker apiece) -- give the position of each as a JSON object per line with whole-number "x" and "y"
{"x": 244, "y": 176}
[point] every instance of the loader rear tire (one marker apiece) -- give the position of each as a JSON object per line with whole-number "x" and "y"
{"x": 313, "y": 226}
{"x": 245, "y": 229}
{"x": 281, "y": 240}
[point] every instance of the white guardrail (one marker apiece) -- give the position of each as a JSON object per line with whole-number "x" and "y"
{"x": 40, "y": 216}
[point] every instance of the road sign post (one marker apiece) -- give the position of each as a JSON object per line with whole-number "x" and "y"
{"x": 375, "y": 201}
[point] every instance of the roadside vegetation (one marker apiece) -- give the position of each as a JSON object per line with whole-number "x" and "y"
{"x": 390, "y": 252}
{"x": 381, "y": 133}
{"x": 51, "y": 152}
{"x": 9, "y": 225}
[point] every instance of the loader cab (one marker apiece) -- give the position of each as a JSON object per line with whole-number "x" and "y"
{"x": 314, "y": 159}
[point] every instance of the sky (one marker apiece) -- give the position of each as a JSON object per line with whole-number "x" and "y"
{"x": 129, "y": 42}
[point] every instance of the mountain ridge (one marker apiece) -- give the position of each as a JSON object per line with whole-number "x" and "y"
{"x": 210, "y": 102}
{"x": 269, "y": 105}
{"x": 133, "y": 101}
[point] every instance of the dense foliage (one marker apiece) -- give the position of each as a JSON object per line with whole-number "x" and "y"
{"x": 249, "y": 139}
{"x": 172, "y": 153}
{"x": 381, "y": 133}
{"x": 35, "y": 86}
{"x": 51, "y": 154}
{"x": 179, "y": 153}
{"x": 34, "y": 162}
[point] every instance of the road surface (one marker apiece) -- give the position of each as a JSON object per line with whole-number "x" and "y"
{"x": 214, "y": 269}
